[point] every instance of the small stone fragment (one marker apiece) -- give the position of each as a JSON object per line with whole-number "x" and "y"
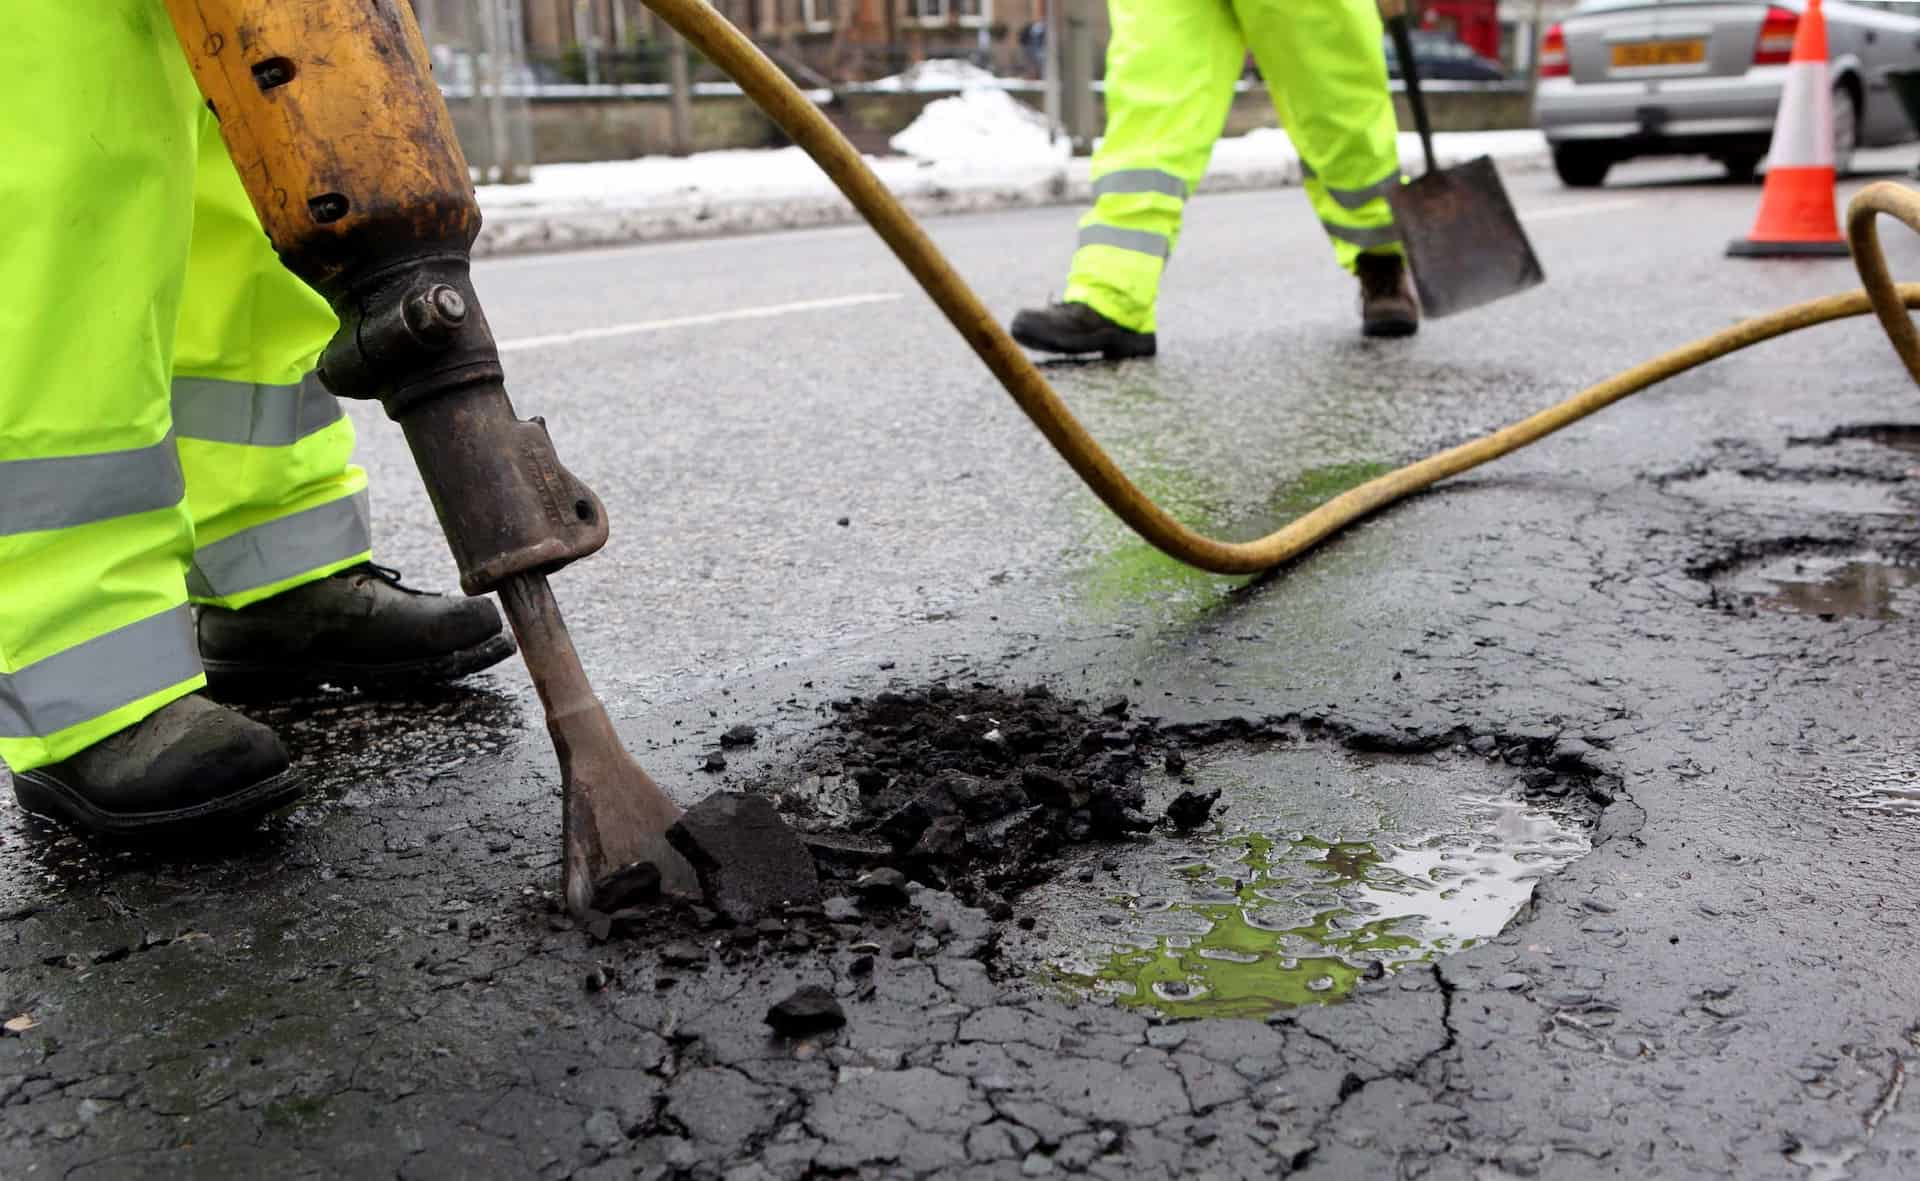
{"x": 1176, "y": 763}
{"x": 1190, "y": 809}
{"x": 862, "y": 965}
{"x": 683, "y": 953}
{"x": 882, "y": 887}
{"x": 944, "y": 840}
{"x": 628, "y": 886}
{"x": 1509, "y": 981}
{"x": 1115, "y": 707}
{"x": 811, "y": 1009}
{"x": 1051, "y": 790}
{"x": 842, "y": 909}
{"x": 900, "y": 946}
{"x": 741, "y": 735}
{"x": 20, "y": 1024}
{"x": 597, "y": 978}
{"x": 715, "y": 761}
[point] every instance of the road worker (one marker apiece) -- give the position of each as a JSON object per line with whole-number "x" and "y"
{"x": 178, "y": 506}
{"x": 1171, "y": 70}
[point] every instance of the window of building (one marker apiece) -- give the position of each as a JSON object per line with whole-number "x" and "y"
{"x": 975, "y": 13}
{"x": 927, "y": 12}
{"x": 820, "y": 15}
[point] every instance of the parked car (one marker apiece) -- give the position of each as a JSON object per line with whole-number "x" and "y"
{"x": 1439, "y": 56}
{"x": 1627, "y": 78}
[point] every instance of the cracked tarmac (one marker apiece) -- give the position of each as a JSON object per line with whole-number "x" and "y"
{"x": 1721, "y": 987}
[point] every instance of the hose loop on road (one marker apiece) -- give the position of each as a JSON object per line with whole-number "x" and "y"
{"x": 783, "y": 102}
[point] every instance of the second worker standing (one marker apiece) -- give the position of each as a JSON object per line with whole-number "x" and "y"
{"x": 1171, "y": 70}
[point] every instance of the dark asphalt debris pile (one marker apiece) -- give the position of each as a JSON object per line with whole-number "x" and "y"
{"x": 976, "y": 790}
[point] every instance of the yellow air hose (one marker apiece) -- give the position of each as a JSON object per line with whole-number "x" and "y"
{"x": 763, "y": 82}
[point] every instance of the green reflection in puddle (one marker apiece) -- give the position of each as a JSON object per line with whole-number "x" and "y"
{"x": 1133, "y": 571}
{"x": 1234, "y": 960}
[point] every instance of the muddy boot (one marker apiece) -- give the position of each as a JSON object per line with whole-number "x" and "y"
{"x": 1075, "y": 328}
{"x": 191, "y": 767}
{"x": 358, "y": 629}
{"x": 1388, "y": 306}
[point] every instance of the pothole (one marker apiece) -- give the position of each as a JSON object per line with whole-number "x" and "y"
{"x": 1329, "y": 866}
{"x": 1864, "y": 585}
{"x": 1787, "y": 494}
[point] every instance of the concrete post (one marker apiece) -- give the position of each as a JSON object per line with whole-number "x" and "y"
{"x": 680, "y": 99}
{"x": 1078, "y": 112}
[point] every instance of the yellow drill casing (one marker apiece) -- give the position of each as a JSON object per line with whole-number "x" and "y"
{"x": 332, "y": 117}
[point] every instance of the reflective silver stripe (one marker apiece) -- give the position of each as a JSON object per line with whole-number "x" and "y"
{"x": 1138, "y": 241}
{"x": 68, "y": 490}
{"x": 283, "y": 549}
{"x": 251, "y": 413}
{"x": 1365, "y": 239}
{"x": 1355, "y": 198}
{"x": 99, "y": 676}
{"x": 1140, "y": 180}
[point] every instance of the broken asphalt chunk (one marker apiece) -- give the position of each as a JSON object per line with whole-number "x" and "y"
{"x": 748, "y": 860}
{"x": 1190, "y": 809}
{"x": 811, "y": 1009}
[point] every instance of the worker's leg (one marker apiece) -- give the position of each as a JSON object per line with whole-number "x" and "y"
{"x": 266, "y": 450}
{"x": 96, "y": 194}
{"x": 281, "y": 566}
{"x": 1324, "y": 65}
{"x": 1171, "y": 66}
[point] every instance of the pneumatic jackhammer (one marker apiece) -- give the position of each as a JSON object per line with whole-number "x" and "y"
{"x": 345, "y": 146}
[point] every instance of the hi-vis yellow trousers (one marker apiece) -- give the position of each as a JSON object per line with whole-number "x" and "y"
{"x": 162, "y": 437}
{"x": 1171, "y": 70}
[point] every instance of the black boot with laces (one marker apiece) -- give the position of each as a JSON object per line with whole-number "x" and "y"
{"x": 358, "y": 628}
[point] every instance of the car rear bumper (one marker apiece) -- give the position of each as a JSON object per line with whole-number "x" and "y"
{"x": 1682, "y": 110}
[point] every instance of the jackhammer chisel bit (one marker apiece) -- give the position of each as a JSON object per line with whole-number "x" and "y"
{"x": 345, "y": 146}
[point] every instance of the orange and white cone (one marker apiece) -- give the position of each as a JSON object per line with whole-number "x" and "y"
{"x": 1796, "y": 208}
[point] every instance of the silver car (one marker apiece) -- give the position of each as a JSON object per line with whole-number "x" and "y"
{"x": 1626, "y": 78}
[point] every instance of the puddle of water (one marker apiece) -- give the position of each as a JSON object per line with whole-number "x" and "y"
{"x": 1879, "y": 782}
{"x": 1326, "y": 864}
{"x": 1853, "y": 498}
{"x": 1857, "y": 586}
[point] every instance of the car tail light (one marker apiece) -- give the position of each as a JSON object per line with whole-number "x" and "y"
{"x": 1775, "y": 46}
{"x": 1553, "y": 54}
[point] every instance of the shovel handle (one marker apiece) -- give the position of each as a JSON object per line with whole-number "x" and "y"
{"x": 1410, "y": 74}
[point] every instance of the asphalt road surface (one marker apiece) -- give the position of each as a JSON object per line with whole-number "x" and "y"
{"x": 1696, "y": 605}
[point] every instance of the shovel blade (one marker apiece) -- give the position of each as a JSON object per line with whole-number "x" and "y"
{"x": 1463, "y": 240}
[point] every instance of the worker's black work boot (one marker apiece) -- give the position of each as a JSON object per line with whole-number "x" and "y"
{"x": 1388, "y": 306}
{"x": 1075, "y": 328}
{"x": 357, "y": 629}
{"x": 191, "y": 766}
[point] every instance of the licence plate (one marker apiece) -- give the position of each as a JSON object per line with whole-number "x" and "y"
{"x": 1638, "y": 54}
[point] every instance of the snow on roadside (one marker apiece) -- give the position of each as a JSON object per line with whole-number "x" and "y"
{"x": 984, "y": 125}
{"x": 937, "y": 73}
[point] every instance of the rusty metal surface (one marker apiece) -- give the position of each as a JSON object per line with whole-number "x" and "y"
{"x": 1463, "y": 239}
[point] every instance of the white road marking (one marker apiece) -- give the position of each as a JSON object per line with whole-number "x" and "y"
{"x": 653, "y": 250}
{"x": 1612, "y": 205}
{"x": 637, "y": 327}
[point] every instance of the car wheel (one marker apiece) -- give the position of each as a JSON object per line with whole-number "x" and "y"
{"x": 1741, "y": 166}
{"x": 1846, "y": 128}
{"x": 1581, "y": 167}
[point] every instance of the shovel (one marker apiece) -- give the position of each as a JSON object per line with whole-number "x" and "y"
{"x": 1463, "y": 241}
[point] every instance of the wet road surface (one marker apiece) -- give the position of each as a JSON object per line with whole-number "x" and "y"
{"x": 1698, "y": 602}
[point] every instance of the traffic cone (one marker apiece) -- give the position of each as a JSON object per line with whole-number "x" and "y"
{"x": 1796, "y": 208}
